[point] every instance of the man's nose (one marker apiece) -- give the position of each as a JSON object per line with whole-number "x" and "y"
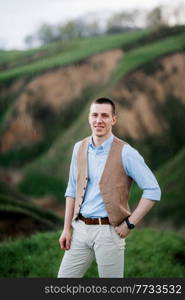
{"x": 99, "y": 119}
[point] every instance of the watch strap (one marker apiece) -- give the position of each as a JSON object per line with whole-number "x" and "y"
{"x": 129, "y": 225}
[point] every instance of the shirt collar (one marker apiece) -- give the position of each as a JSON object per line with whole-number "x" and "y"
{"x": 105, "y": 146}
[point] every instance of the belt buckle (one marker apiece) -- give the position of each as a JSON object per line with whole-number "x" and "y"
{"x": 99, "y": 221}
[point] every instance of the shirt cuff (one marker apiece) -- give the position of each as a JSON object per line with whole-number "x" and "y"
{"x": 69, "y": 194}
{"x": 152, "y": 194}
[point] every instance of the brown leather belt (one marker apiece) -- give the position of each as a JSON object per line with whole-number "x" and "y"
{"x": 94, "y": 221}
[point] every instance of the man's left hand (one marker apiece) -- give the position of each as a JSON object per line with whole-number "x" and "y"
{"x": 122, "y": 230}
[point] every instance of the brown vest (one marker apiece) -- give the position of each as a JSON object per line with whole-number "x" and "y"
{"x": 114, "y": 184}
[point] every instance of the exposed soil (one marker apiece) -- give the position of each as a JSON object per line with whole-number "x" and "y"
{"x": 55, "y": 88}
{"x": 140, "y": 95}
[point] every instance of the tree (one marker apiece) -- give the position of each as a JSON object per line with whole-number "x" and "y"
{"x": 92, "y": 29}
{"x": 155, "y": 18}
{"x": 47, "y": 34}
{"x": 122, "y": 21}
{"x": 70, "y": 30}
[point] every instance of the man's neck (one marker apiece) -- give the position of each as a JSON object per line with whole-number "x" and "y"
{"x": 99, "y": 140}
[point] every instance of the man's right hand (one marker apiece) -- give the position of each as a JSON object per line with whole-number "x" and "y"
{"x": 65, "y": 239}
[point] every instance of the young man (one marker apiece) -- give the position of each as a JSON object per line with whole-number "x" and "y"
{"x": 101, "y": 173}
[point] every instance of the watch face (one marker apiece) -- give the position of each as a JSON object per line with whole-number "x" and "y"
{"x": 131, "y": 226}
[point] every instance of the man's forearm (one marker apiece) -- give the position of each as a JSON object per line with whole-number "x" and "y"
{"x": 141, "y": 210}
{"x": 69, "y": 210}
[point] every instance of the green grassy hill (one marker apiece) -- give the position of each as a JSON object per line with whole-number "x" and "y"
{"x": 149, "y": 253}
{"x": 139, "y": 57}
{"x": 13, "y": 59}
{"x": 27, "y": 65}
{"x": 145, "y": 55}
{"x": 75, "y": 51}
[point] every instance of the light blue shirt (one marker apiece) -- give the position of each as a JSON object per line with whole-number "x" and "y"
{"x": 133, "y": 164}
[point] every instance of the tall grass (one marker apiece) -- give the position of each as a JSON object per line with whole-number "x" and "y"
{"x": 148, "y": 253}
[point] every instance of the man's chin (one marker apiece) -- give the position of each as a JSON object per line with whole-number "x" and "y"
{"x": 99, "y": 134}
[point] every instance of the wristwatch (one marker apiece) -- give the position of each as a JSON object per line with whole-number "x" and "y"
{"x": 129, "y": 225}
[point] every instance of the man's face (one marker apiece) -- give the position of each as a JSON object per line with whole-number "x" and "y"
{"x": 101, "y": 119}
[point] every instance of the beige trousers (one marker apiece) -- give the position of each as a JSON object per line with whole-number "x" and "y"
{"x": 89, "y": 242}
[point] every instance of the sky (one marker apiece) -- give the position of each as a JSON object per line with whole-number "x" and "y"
{"x": 19, "y": 18}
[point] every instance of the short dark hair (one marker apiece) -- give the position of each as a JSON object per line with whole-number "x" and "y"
{"x": 104, "y": 100}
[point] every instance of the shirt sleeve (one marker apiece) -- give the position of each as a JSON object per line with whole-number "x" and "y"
{"x": 71, "y": 187}
{"x": 135, "y": 167}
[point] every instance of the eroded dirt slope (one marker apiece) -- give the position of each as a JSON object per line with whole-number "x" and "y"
{"x": 141, "y": 95}
{"x": 54, "y": 90}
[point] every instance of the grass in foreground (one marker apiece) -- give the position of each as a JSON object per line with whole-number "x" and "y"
{"x": 148, "y": 253}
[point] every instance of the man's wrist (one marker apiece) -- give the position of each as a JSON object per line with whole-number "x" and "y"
{"x": 129, "y": 224}
{"x": 67, "y": 228}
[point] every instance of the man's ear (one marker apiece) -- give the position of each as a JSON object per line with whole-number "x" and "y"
{"x": 114, "y": 119}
